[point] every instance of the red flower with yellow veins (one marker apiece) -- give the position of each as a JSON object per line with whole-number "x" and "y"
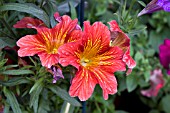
{"x": 95, "y": 60}
{"x": 47, "y": 41}
{"x": 120, "y": 39}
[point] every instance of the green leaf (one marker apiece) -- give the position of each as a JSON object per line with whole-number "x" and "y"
{"x": 138, "y": 56}
{"x": 64, "y": 95}
{"x": 164, "y": 104}
{"x": 121, "y": 111}
{"x": 73, "y": 11}
{"x": 51, "y": 8}
{"x": 67, "y": 108}
{"x": 35, "y": 96}
{"x": 137, "y": 31}
{"x": 37, "y": 83}
{"x": 44, "y": 104}
{"x": 147, "y": 75}
{"x": 5, "y": 41}
{"x": 64, "y": 6}
{"x": 150, "y": 52}
{"x": 2, "y": 62}
{"x": 122, "y": 83}
{"x": 154, "y": 111}
{"x": 17, "y": 72}
{"x": 155, "y": 39}
{"x": 15, "y": 81}
{"x": 142, "y": 3}
{"x": 27, "y": 8}
{"x": 11, "y": 66}
{"x": 131, "y": 82}
{"x": 6, "y": 108}
{"x": 12, "y": 100}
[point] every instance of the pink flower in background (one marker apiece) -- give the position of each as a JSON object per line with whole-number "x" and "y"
{"x": 156, "y": 83}
{"x": 156, "y": 5}
{"x": 164, "y": 54}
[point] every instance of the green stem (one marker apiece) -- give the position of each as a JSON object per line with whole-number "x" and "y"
{"x": 42, "y": 1}
{"x": 98, "y": 108}
{"x": 8, "y": 27}
{"x": 130, "y": 8}
{"x": 1, "y": 3}
{"x": 6, "y": 34}
{"x": 35, "y": 64}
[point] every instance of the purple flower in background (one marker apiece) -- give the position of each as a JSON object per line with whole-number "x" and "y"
{"x": 164, "y": 54}
{"x": 156, "y": 82}
{"x": 156, "y": 5}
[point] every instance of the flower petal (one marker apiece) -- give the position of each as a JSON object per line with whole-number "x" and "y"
{"x": 107, "y": 81}
{"x": 118, "y": 38}
{"x": 114, "y": 26}
{"x": 164, "y": 54}
{"x": 121, "y": 40}
{"x": 67, "y": 54}
{"x": 29, "y": 46}
{"x": 99, "y": 35}
{"x": 48, "y": 60}
{"x": 57, "y": 17}
{"x": 28, "y": 22}
{"x": 151, "y": 7}
{"x": 128, "y": 59}
{"x": 75, "y": 35}
{"x": 57, "y": 73}
{"x": 62, "y": 30}
{"x": 83, "y": 84}
{"x": 111, "y": 60}
{"x": 166, "y": 6}
{"x": 156, "y": 82}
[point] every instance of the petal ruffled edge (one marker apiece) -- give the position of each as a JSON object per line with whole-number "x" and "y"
{"x": 48, "y": 60}
{"x": 130, "y": 62}
{"x": 29, "y": 46}
{"x": 107, "y": 82}
{"x": 114, "y": 26}
{"x": 83, "y": 84}
{"x": 98, "y": 34}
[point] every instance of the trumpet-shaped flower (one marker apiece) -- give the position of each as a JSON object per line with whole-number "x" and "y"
{"x": 28, "y": 22}
{"x": 164, "y": 55}
{"x": 156, "y": 5}
{"x": 95, "y": 60}
{"x": 156, "y": 82}
{"x": 120, "y": 39}
{"x": 47, "y": 41}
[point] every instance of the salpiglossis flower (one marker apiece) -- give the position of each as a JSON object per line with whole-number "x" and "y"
{"x": 156, "y": 5}
{"x": 156, "y": 82}
{"x": 28, "y": 22}
{"x": 120, "y": 39}
{"x": 47, "y": 41}
{"x": 95, "y": 60}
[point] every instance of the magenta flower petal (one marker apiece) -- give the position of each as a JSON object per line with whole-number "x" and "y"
{"x": 164, "y": 54}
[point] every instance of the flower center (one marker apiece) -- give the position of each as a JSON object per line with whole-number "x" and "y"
{"x": 85, "y": 62}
